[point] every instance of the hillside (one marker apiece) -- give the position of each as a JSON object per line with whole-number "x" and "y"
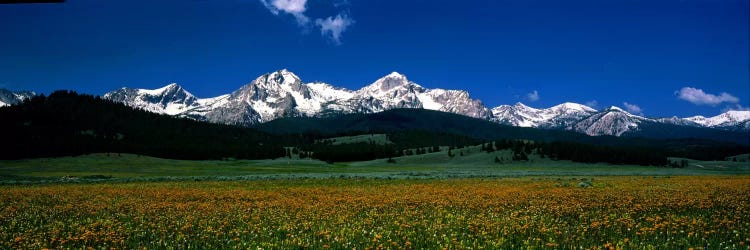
{"x": 66, "y": 123}
{"x": 399, "y": 122}
{"x": 409, "y": 119}
{"x": 435, "y": 121}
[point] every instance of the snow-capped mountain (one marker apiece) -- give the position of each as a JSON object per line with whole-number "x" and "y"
{"x": 284, "y": 94}
{"x": 562, "y": 116}
{"x": 733, "y": 120}
{"x": 517, "y": 115}
{"x": 171, "y": 99}
{"x": 396, "y": 91}
{"x": 8, "y": 97}
{"x": 611, "y": 121}
{"x": 674, "y": 120}
{"x": 454, "y": 101}
{"x": 391, "y": 91}
{"x": 569, "y": 116}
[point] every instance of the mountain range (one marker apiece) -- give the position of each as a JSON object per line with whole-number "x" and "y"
{"x": 66, "y": 123}
{"x": 283, "y": 94}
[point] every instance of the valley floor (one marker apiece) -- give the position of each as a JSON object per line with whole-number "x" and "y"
{"x": 631, "y": 212}
{"x": 469, "y": 162}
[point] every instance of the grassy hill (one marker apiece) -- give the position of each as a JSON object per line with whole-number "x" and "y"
{"x": 739, "y": 158}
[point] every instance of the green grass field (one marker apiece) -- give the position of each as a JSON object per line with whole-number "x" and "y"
{"x": 739, "y": 158}
{"x": 466, "y": 162}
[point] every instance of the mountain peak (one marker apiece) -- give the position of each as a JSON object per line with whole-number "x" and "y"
{"x": 574, "y": 106}
{"x": 279, "y": 80}
{"x": 286, "y": 71}
{"x": 395, "y": 74}
{"x": 520, "y": 105}
{"x": 173, "y": 85}
{"x": 283, "y": 76}
{"x": 168, "y": 88}
{"x": 388, "y": 82}
{"x": 615, "y": 108}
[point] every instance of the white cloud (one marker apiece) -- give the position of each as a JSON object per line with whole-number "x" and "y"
{"x": 331, "y": 27}
{"x": 698, "y": 97}
{"x": 334, "y": 26}
{"x": 593, "y": 104}
{"x": 295, "y": 8}
{"x": 533, "y": 96}
{"x": 289, "y": 6}
{"x": 632, "y": 108}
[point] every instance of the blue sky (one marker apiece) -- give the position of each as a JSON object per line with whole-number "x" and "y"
{"x": 666, "y": 57}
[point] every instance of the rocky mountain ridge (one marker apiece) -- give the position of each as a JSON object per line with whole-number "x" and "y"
{"x": 283, "y": 94}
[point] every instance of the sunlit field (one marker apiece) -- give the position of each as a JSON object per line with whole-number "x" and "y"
{"x": 539, "y": 212}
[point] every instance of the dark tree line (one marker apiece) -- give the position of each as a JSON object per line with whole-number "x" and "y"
{"x": 579, "y": 152}
{"x": 420, "y": 138}
{"x": 361, "y": 151}
{"x": 593, "y": 153}
{"x": 521, "y": 150}
{"x": 407, "y": 142}
{"x": 67, "y": 124}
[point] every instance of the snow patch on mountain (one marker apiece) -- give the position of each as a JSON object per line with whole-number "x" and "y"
{"x": 326, "y": 92}
{"x": 8, "y": 97}
{"x": 428, "y": 99}
{"x": 561, "y": 116}
{"x": 612, "y": 121}
{"x": 733, "y": 119}
{"x": 171, "y": 99}
{"x": 518, "y": 115}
